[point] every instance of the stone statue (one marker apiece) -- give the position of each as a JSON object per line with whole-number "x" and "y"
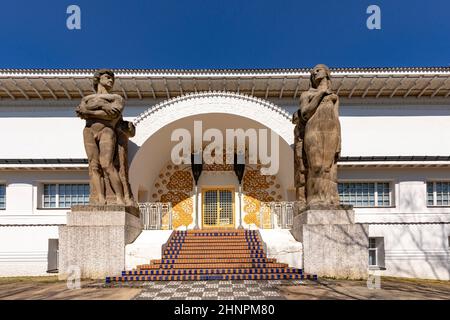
{"x": 317, "y": 141}
{"x": 105, "y": 136}
{"x": 299, "y": 164}
{"x": 125, "y": 130}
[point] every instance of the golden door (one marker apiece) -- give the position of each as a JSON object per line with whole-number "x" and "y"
{"x": 218, "y": 208}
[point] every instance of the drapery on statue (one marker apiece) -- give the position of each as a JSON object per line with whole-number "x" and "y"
{"x": 106, "y": 142}
{"x": 317, "y": 144}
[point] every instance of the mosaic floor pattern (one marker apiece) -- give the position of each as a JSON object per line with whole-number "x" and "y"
{"x": 214, "y": 290}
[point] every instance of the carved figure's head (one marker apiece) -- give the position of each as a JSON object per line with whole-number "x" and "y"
{"x": 105, "y": 78}
{"x": 318, "y": 73}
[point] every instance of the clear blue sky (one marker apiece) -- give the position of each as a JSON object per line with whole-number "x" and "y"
{"x": 193, "y": 34}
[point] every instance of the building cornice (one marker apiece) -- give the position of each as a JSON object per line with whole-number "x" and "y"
{"x": 220, "y": 72}
{"x": 55, "y": 84}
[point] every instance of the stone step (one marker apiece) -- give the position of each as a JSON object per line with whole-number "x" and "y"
{"x": 209, "y": 255}
{"x": 214, "y": 235}
{"x": 213, "y": 255}
{"x": 216, "y": 231}
{"x": 213, "y": 245}
{"x": 211, "y": 265}
{"x": 267, "y": 276}
{"x": 210, "y": 271}
{"x": 213, "y": 239}
{"x": 210, "y": 261}
{"x": 221, "y": 252}
{"x": 201, "y": 244}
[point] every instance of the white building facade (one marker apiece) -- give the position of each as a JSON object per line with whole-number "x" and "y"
{"x": 394, "y": 167}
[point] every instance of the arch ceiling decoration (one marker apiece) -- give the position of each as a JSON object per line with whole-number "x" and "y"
{"x": 166, "y": 112}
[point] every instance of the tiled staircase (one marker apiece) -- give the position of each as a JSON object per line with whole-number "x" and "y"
{"x": 213, "y": 255}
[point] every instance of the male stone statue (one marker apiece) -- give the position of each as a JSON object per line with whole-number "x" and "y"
{"x": 317, "y": 141}
{"x": 104, "y": 136}
{"x": 95, "y": 236}
{"x": 124, "y": 130}
{"x": 299, "y": 163}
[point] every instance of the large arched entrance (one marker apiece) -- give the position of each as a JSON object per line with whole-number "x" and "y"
{"x": 155, "y": 178}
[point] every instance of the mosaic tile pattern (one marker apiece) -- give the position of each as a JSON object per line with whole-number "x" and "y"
{"x": 213, "y": 255}
{"x": 214, "y": 290}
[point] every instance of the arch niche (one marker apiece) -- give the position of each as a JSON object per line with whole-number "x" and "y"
{"x": 150, "y": 149}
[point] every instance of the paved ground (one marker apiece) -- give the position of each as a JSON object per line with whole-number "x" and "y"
{"x": 214, "y": 290}
{"x": 49, "y": 288}
{"x": 391, "y": 288}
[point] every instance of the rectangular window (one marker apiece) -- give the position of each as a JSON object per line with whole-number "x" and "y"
{"x": 65, "y": 195}
{"x": 2, "y": 196}
{"x": 438, "y": 193}
{"x": 373, "y": 252}
{"x": 365, "y": 194}
{"x": 52, "y": 256}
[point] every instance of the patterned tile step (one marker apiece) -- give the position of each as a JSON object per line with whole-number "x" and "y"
{"x": 214, "y": 240}
{"x": 209, "y": 255}
{"x": 197, "y": 255}
{"x": 213, "y": 246}
{"x": 212, "y": 266}
{"x": 213, "y": 235}
{"x": 266, "y": 276}
{"x": 213, "y": 243}
{"x": 221, "y": 252}
{"x": 210, "y": 271}
{"x": 220, "y": 260}
{"x": 219, "y": 231}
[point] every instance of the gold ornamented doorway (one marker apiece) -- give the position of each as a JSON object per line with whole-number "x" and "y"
{"x": 218, "y": 207}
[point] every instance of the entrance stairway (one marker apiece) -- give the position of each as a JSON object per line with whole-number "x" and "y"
{"x": 233, "y": 254}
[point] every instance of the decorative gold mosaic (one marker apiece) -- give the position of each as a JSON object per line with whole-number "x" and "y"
{"x": 175, "y": 184}
{"x": 219, "y": 167}
{"x": 258, "y": 188}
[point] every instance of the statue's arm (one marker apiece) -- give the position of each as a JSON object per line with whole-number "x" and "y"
{"x": 131, "y": 129}
{"x": 309, "y": 105}
{"x": 86, "y": 111}
{"x": 87, "y": 103}
{"x": 295, "y": 119}
{"x": 97, "y": 114}
{"x": 106, "y": 108}
{"x": 336, "y": 110}
{"x": 117, "y": 104}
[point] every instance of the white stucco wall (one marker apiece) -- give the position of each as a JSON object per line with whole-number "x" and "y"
{"x": 416, "y": 236}
{"x": 147, "y": 246}
{"x": 386, "y": 128}
{"x": 24, "y": 249}
{"x": 415, "y": 250}
{"x": 24, "y": 196}
{"x": 409, "y": 194}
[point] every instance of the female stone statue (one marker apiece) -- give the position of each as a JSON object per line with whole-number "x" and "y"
{"x": 319, "y": 112}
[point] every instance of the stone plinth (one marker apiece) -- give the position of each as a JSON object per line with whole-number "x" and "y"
{"x": 333, "y": 244}
{"x": 94, "y": 240}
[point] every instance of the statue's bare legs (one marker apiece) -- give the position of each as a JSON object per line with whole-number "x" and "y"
{"x": 95, "y": 171}
{"x": 107, "y": 145}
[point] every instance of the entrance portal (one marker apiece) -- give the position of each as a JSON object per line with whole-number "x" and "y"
{"x": 218, "y": 208}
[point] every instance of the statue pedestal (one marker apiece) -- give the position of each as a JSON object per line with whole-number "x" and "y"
{"x": 94, "y": 240}
{"x": 333, "y": 244}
